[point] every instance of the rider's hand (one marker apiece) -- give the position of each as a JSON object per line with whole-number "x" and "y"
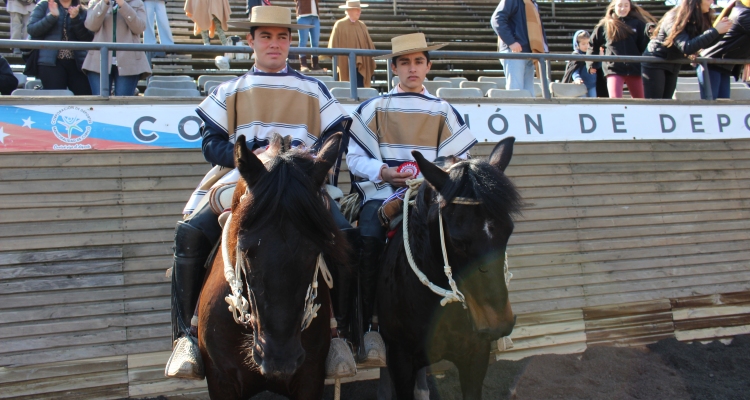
{"x": 724, "y": 25}
{"x": 54, "y": 9}
{"x": 73, "y": 11}
{"x": 515, "y": 47}
{"x": 396, "y": 179}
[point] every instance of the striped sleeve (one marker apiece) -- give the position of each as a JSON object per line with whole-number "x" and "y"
{"x": 460, "y": 140}
{"x": 215, "y": 110}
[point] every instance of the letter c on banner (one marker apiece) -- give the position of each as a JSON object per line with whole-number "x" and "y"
{"x": 491, "y": 123}
{"x": 664, "y": 129}
{"x": 185, "y": 135}
{"x": 581, "y": 118}
{"x": 137, "y": 130}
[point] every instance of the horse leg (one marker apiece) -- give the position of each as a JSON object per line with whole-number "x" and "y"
{"x": 402, "y": 372}
{"x": 421, "y": 390}
{"x": 471, "y": 371}
{"x": 385, "y": 385}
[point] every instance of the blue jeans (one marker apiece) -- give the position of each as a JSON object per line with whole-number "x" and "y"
{"x": 720, "y": 82}
{"x": 156, "y": 10}
{"x": 311, "y": 33}
{"x": 124, "y": 85}
{"x": 591, "y": 92}
{"x": 519, "y": 74}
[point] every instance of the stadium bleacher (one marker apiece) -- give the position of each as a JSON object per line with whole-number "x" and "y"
{"x": 465, "y": 25}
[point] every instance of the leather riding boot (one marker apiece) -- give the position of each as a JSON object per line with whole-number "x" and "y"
{"x": 340, "y": 361}
{"x": 369, "y": 267}
{"x": 303, "y": 67}
{"x": 372, "y": 350}
{"x": 315, "y": 65}
{"x": 344, "y": 284}
{"x": 191, "y": 250}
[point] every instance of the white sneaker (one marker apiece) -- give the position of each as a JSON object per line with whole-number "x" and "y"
{"x": 185, "y": 361}
{"x": 375, "y": 350}
{"x": 340, "y": 361}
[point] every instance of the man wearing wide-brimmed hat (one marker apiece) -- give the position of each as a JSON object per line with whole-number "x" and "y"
{"x": 270, "y": 98}
{"x": 351, "y": 33}
{"x": 384, "y": 132}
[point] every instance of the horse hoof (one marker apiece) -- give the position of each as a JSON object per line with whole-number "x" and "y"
{"x": 375, "y": 350}
{"x": 185, "y": 361}
{"x": 340, "y": 362}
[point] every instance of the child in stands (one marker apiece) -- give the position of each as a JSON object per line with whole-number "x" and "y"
{"x": 576, "y": 71}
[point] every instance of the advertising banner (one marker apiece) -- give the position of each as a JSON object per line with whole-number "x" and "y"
{"x": 132, "y": 127}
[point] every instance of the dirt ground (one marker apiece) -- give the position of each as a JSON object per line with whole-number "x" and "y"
{"x": 665, "y": 370}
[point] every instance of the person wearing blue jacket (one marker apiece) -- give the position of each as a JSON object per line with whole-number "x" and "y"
{"x": 576, "y": 71}
{"x": 519, "y": 29}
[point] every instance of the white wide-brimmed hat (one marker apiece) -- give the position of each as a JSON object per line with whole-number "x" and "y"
{"x": 353, "y": 4}
{"x": 268, "y": 16}
{"x": 411, "y": 43}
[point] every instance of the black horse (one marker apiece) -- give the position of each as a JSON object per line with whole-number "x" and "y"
{"x": 477, "y": 202}
{"x": 277, "y": 232}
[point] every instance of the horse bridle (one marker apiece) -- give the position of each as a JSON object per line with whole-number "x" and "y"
{"x": 448, "y": 296}
{"x": 239, "y": 306}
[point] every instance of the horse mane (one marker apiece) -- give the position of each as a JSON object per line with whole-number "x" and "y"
{"x": 288, "y": 195}
{"x": 477, "y": 179}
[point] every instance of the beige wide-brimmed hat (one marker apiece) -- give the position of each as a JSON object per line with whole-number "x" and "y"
{"x": 353, "y": 4}
{"x": 268, "y": 16}
{"x": 411, "y": 43}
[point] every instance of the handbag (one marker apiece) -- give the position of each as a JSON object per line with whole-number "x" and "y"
{"x": 31, "y": 57}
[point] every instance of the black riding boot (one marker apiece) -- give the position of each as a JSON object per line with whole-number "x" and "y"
{"x": 345, "y": 284}
{"x": 191, "y": 250}
{"x": 369, "y": 267}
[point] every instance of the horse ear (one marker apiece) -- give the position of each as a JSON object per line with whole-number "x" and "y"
{"x": 431, "y": 172}
{"x": 326, "y": 158}
{"x": 250, "y": 167}
{"x": 502, "y": 153}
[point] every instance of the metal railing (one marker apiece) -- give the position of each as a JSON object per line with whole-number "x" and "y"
{"x": 544, "y": 59}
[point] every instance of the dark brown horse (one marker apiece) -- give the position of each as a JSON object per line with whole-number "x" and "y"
{"x": 477, "y": 202}
{"x": 277, "y": 231}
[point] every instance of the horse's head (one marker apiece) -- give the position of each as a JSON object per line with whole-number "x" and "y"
{"x": 478, "y": 203}
{"x": 280, "y": 228}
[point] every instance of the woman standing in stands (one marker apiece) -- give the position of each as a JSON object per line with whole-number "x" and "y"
{"x": 117, "y": 21}
{"x": 681, "y": 33}
{"x": 622, "y": 32}
{"x": 735, "y": 44}
{"x": 61, "y": 20}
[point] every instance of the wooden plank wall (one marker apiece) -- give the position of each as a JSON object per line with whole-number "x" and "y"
{"x": 620, "y": 243}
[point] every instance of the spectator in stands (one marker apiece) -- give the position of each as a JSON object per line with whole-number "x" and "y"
{"x": 735, "y": 44}
{"x": 255, "y": 3}
{"x": 681, "y": 33}
{"x": 8, "y": 81}
{"x": 351, "y": 33}
{"x": 119, "y": 21}
{"x": 157, "y": 10}
{"x": 577, "y": 71}
{"x": 209, "y": 17}
{"x": 307, "y": 14}
{"x": 519, "y": 29}
{"x": 61, "y": 20}
{"x": 20, "y": 11}
{"x": 622, "y": 32}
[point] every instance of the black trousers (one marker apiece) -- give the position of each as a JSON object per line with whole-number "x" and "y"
{"x": 658, "y": 83}
{"x": 65, "y": 75}
{"x": 369, "y": 223}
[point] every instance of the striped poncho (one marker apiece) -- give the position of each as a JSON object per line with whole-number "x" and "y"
{"x": 386, "y": 129}
{"x": 259, "y": 104}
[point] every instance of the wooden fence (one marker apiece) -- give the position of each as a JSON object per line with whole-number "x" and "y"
{"x": 620, "y": 243}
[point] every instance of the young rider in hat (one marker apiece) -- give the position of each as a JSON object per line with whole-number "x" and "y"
{"x": 270, "y": 98}
{"x": 384, "y": 132}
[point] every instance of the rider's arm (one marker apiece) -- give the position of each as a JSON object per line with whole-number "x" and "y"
{"x": 216, "y": 147}
{"x": 361, "y": 165}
